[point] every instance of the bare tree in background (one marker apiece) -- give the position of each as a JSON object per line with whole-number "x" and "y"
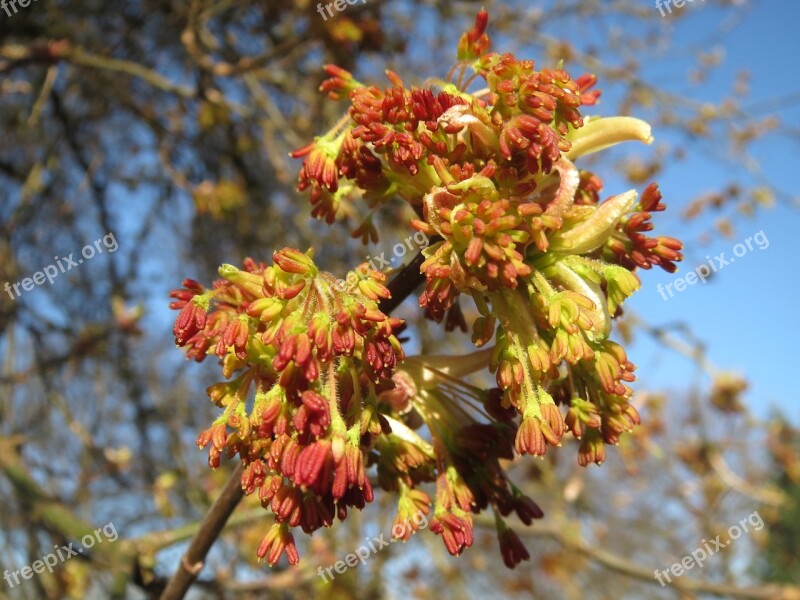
{"x": 169, "y": 125}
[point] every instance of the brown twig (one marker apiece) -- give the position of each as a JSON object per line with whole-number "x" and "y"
{"x": 193, "y": 561}
{"x": 405, "y": 282}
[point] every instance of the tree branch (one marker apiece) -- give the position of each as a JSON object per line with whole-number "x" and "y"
{"x": 193, "y": 561}
{"x": 574, "y": 543}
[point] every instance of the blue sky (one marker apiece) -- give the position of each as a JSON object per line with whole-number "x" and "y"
{"x": 747, "y": 314}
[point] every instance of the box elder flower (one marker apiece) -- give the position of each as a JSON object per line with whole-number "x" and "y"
{"x": 319, "y": 400}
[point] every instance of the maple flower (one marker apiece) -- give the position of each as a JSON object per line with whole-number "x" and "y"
{"x": 512, "y": 549}
{"x": 303, "y": 361}
{"x": 318, "y": 399}
{"x": 278, "y": 541}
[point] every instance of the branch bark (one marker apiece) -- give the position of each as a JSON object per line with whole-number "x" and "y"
{"x": 193, "y": 561}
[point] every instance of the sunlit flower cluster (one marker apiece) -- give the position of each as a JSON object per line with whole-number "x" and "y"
{"x": 304, "y": 363}
{"x": 518, "y": 230}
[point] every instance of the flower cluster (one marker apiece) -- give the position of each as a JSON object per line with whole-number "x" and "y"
{"x": 518, "y": 229}
{"x": 304, "y": 363}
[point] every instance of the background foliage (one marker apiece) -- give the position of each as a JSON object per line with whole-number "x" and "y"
{"x": 168, "y": 123}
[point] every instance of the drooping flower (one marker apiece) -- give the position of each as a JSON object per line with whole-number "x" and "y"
{"x": 512, "y": 549}
{"x": 278, "y": 541}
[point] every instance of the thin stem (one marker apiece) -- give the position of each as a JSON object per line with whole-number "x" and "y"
{"x": 193, "y": 561}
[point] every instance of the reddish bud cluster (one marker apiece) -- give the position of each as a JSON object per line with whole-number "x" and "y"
{"x": 398, "y": 122}
{"x": 407, "y": 136}
{"x": 635, "y": 249}
{"x": 475, "y": 42}
{"x": 479, "y": 226}
{"x": 300, "y": 343}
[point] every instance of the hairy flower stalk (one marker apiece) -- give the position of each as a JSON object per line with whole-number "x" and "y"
{"x": 319, "y": 401}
